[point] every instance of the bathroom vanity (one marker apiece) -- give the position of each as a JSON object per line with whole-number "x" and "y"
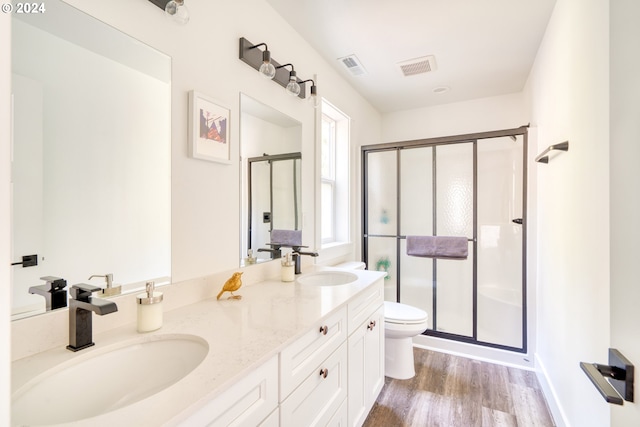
{"x": 286, "y": 354}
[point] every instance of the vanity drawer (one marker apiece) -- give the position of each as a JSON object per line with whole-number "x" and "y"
{"x": 362, "y": 307}
{"x": 246, "y": 403}
{"x": 320, "y": 399}
{"x": 302, "y": 357}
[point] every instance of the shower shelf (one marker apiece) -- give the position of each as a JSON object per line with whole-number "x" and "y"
{"x": 544, "y": 156}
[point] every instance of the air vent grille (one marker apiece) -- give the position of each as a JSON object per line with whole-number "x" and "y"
{"x": 415, "y": 66}
{"x": 353, "y": 65}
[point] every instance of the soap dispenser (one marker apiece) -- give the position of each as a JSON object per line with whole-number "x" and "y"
{"x": 288, "y": 270}
{"x": 149, "y": 309}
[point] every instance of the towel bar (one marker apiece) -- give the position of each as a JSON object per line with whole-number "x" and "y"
{"x": 620, "y": 373}
{"x": 544, "y": 156}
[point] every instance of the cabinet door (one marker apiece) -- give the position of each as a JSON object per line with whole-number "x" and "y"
{"x": 340, "y": 418}
{"x": 364, "y": 304}
{"x": 374, "y": 358}
{"x": 272, "y": 420}
{"x": 318, "y": 398}
{"x": 366, "y": 366}
{"x": 246, "y": 403}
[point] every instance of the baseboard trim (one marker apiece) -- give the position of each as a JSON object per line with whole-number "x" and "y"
{"x": 559, "y": 417}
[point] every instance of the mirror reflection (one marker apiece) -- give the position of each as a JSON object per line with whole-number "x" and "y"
{"x": 274, "y": 201}
{"x": 271, "y": 179}
{"x": 91, "y": 158}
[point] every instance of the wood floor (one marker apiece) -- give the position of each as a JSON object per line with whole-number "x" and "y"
{"x": 451, "y": 391}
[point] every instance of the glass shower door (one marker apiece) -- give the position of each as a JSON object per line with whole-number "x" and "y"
{"x": 500, "y": 242}
{"x": 382, "y": 217}
{"x": 455, "y": 217}
{"x": 416, "y": 219}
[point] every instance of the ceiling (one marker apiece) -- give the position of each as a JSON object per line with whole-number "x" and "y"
{"x": 482, "y": 48}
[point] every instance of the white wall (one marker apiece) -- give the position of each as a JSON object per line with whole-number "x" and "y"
{"x": 625, "y": 199}
{"x": 568, "y": 91}
{"x": 479, "y": 115}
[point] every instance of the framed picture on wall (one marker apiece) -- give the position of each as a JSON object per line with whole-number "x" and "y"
{"x": 208, "y": 129}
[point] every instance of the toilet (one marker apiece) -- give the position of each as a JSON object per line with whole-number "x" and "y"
{"x": 402, "y": 322}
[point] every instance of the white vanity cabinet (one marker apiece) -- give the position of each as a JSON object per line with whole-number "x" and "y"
{"x": 366, "y": 352}
{"x": 330, "y": 375}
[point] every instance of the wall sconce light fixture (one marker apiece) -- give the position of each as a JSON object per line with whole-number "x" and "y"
{"x": 285, "y": 78}
{"x": 174, "y": 9}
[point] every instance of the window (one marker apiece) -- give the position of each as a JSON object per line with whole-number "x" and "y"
{"x": 334, "y": 185}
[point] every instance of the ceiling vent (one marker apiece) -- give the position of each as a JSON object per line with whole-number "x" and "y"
{"x": 415, "y": 66}
{"x": 353, "y": 65}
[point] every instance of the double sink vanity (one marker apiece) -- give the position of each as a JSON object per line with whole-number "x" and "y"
{"x": 286, "y": 354}
{"x": 289, "y": 354}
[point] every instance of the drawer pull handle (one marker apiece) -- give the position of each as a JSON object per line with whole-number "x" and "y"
{"x": 371, "y": 325}
{"x": 324, "y": 372}
{"x": 324, "y": 329}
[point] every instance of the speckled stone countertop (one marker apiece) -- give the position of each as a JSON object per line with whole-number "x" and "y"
{"x": 241, "y": 335}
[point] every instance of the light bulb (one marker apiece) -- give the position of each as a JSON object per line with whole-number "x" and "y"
{"x": 313, "y": 98}
{"x": 177, "y": 11}
{"x": 267, "y": 70}
{"x": 293, "y": 88}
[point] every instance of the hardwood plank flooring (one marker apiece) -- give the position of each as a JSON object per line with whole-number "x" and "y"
{"x": 452, "y": 391}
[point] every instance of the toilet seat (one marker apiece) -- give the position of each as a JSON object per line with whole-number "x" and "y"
{"x": 403, "y": 314}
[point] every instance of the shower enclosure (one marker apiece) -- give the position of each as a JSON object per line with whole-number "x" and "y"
{"x": 472, "y": 186}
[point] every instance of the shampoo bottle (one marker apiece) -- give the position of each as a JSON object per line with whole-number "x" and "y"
{"x": 149, "y": 309}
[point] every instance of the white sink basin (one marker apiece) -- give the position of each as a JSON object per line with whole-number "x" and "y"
{"x": 328, "y": 278}
{"x": 103, "y": 381}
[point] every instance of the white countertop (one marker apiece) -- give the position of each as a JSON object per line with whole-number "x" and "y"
{"x": 241, "y": 334}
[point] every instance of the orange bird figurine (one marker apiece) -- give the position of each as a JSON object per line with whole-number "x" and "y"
{"x": 232, "y": 285}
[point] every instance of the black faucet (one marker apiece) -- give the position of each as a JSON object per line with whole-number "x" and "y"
{"x": 80, "y": 307}
{"x": 297, "y": 253}
{"x": 54, "y": 292}
{"x": 275, "y": 251}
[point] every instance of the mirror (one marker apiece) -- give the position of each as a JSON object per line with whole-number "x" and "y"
{"x": 270, "y": 150}
{"x": 90, "y": 157}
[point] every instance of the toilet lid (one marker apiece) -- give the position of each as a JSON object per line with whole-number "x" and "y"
{"x": 402, "y": 313}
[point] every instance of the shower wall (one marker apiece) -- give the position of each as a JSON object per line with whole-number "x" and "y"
{"x": 472, "y": 188}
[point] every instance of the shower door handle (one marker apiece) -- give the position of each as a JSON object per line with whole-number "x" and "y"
{"x": 517, "y": 220}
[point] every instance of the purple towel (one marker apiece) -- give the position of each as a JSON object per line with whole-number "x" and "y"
{"x": 286, "y": 237}
{"x": 446, "y": 247}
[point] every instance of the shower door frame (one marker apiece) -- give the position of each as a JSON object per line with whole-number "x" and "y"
{"x": 473, "y": 138}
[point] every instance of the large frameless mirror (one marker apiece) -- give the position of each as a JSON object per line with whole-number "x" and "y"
{"x": 91, "y": 156}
